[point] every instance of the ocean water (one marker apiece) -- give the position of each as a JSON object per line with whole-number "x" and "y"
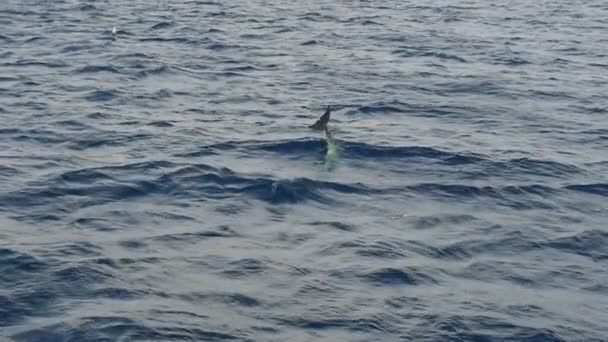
{"x": 162, "y": 184}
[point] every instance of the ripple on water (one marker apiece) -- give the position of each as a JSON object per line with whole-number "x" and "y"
{"x": 161, "y": 183}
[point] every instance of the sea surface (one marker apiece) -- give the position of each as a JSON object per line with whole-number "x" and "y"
{"x": 160, "y": 183}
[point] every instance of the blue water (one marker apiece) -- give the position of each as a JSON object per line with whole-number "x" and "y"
{"x": 161, "y": 184}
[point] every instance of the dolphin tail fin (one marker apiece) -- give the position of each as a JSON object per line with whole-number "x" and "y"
{"x": 321, "y": 124}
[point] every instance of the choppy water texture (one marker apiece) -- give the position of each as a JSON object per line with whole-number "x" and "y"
{"x": 162, "y": 184}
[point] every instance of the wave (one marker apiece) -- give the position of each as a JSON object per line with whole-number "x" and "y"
{"x": 310, "y": 43}
{"x": 113, "y": 184}
{"x": 379, "y": 109}
{"x": 482, "y": 165}
{"x": 336, "y": 225}
{"x": 153, "y": 189}
{"x": 134, "y": 56}
{"x": 394, "y": 276}
{"x": 539, "y": 167}
{"x": 348, "y": 149}
{"x": 407, "y": 53}
{"x": 300, "y": 146}
{"x": 153, "y": 70}
{"x": 524, "y": 197}
{"x": 482, "y": 328}
{"x": 35, "y": 39}
{"x": 427, "y": 222}
{"x": 363, "y": 150}
{"x": 7, "y": 171}
{"x": 365, "y": 248}
{"x": 194, "y": 237}
{"x": 80, "y": 144}
{"x": 17, "y": 265}
{"x": 89, "y": 69}
{"x": 217, "y": 46}
{"x": 101, "y": 96}
{"x": 510, "y": 61}
{"x": 6, "y": 39}
{"x": 160, "y": 124}
{"x": 319, "y": 324}
{"x": 116, "y": 328}
{"x": 85, "y": 176}
{"x": 244, "y": 268}
{"x": 6, "y": 54}
{"x": 589, "y": 243}
{"x": 463, "y": 191}
{"x": 182, "y": 40}
{"x": 398, "y": 107}
{"x": 87, "y": 8}
{"x": 243, "y": 68}
{"x": 30, "y": 62}
{"x": 35, "y": 284}
{"x": 83, "y": 46}
{"x": 139, "y": 180}
{"x": 162, "y": 25}
{"x": 33, "y": 135}
{"x": 389, "y": 276}
{"x": 595, "y": 189}
{"x": 393, "y": 248}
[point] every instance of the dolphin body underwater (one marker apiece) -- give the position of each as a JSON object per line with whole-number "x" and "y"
{"x": 332, "y": 154}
